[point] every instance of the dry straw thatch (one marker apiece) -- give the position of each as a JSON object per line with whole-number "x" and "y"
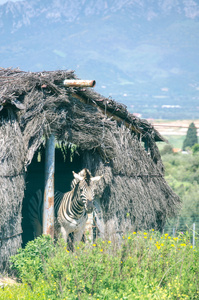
{"x": 112, "y": 141}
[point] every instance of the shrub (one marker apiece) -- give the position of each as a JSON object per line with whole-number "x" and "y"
{"x": 167, "y": 149}
{"x": 144, "y": 266}
{"x": 182, "y": 174}
{"x": 195, "y": 148}
{"x": 29, "y": 263}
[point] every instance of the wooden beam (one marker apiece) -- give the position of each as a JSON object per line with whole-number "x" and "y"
{"x": 79, "y": 83}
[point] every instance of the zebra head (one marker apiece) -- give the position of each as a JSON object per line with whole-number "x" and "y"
{"x": 87, "y": 188}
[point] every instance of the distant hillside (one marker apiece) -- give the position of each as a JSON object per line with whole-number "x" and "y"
{"x": 143, "y": 53}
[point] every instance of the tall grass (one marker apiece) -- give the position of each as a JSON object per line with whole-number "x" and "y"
{"x": 145, "y": 265}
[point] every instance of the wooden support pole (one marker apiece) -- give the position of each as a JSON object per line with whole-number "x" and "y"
{"x": 48, "y": 211}
{"x": 79, "y": 83}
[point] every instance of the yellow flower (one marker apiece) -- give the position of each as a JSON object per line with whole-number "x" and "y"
{"x": 152, "y": 229}
{"x": 101, "y": 250}
{"x": 129, "y": 237}
{"x": 157, "y": 245}
{"x": 134, "y": 232}
{"x": 172, "y": 245}
{"x": 145, "y": 233}
{"x": 145, "y": 237}
{"x": 94, "y": 245}
{"x": 109, "y": 242}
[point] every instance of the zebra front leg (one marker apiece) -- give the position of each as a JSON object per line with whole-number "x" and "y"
{"x": 64, "y": 234}
{"x": 78, "y": 235}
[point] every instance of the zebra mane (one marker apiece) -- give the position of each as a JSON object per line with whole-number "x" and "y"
{"x": 85, "y": 173}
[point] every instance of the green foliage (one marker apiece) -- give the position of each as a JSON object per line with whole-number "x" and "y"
{"x": 29, "y": 263}
{"x": 67, "y": 149}
{"x": 144, "y": 266}
{"x": 195, "y": 149}
{"x": 191, "y": 137}
{"x": 167, "y": 149}
{"x": 182, "y": 174}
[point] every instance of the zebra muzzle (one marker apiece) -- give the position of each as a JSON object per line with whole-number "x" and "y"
{"x": 89, "y": 207}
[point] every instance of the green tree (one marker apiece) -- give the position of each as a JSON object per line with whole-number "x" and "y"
{"x": 195, "y": 148}
{"x": 191, "y": 137}
{"x": 167, "y": 149}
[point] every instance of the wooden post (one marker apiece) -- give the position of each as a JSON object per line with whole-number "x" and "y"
{"x": 48, "y": 212}
{"x": 79, "y": 83}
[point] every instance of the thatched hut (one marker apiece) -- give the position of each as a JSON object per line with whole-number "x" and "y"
{"x": 108, "y": 140}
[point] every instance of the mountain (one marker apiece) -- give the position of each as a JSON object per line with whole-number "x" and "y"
{"x": 143, "y": 53}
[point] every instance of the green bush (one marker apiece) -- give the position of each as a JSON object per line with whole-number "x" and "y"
{"x": 182, "y": 174}
{"x": 29, "y": 263}
{"x": 144, "y": 266}
{"x": 195, "y": 149}
{"x": 167, "y": 149}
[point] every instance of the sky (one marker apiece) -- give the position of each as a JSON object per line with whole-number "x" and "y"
{"x": 4, "y": 1}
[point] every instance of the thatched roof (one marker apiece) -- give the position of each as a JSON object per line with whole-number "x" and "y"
{"x": 42, "y": 101}
{"x": 113, "y": 142}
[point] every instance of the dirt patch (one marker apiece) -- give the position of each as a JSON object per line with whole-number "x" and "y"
{"x": 176, "y": 127}
{"x": 7, "y": 281}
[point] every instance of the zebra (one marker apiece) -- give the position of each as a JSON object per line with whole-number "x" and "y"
{"x": 71, "y": 208}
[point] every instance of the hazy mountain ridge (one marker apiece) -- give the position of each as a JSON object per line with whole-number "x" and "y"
{"x": 70, "y": 11}
{"x": 142, "y": 52}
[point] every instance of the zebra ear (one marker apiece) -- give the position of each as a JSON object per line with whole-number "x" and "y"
{"x": 77, "y": 176}
{"x": 96, "y": 178}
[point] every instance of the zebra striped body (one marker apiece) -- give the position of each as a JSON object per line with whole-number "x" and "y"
{"x": 70, "y": 208}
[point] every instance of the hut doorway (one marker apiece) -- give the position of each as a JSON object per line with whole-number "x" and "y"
{"x": 66, "y": 161}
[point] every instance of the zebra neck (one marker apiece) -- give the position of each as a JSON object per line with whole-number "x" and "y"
{"x": 75, "y": 206}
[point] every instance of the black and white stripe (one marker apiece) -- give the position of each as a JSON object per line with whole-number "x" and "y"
{"x": 70, "y": 208}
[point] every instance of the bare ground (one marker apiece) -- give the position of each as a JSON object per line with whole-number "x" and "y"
{"x": 176, "y": 127}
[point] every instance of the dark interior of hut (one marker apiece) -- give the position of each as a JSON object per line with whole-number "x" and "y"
{"x": 66, "y": 161}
